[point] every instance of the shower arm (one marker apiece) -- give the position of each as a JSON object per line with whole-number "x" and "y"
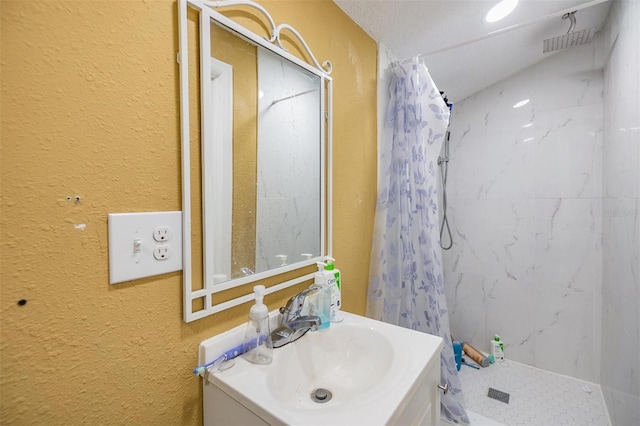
{"x": 572, "y": 17}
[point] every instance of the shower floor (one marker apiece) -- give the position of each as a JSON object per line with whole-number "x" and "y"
{"x": 537, "y": 397}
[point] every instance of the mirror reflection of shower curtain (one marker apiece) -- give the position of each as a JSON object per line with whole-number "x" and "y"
{"x": 406, "y": 284}
{"x": 217, "y": 180}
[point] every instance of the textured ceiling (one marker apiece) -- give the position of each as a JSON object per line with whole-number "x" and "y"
{"x": 416, "y": 27}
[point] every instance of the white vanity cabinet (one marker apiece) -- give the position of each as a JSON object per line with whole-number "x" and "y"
{"x": 220, "y": 409}
{"x": 423, "y": 406}
{"x": 377, "y": 374}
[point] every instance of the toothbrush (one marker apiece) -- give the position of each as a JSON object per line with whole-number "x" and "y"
{"x": 230, "y": 354}
{"x": 470, "y": 364}
{"x": 226, "y": 356}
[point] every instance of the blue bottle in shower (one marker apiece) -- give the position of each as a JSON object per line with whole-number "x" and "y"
{"x": 457, "y": 354}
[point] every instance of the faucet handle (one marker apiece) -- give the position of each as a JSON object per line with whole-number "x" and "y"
{"x": 292, "y": 309}
{"x": 294, "y": 306}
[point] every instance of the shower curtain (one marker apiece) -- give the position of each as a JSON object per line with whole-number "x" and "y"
{"x": 406, "y": 285}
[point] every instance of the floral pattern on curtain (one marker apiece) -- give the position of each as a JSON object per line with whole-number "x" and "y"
{"x": 406, "y": 285}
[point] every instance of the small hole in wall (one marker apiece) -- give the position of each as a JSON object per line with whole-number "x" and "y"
{"x": 22, "y": 302}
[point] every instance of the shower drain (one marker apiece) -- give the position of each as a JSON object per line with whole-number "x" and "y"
{"x": 498, "y": 395}
{"x": 321, "y": 395}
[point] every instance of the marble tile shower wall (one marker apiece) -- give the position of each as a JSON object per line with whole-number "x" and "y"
{"x": 621, "y": 216}
{"x": 287, "y": 130}
{"x": 525, "y": 208}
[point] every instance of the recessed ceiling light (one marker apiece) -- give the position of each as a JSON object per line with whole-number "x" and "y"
{"x": 521, "y": 103}
{"x": 501, "y": 10}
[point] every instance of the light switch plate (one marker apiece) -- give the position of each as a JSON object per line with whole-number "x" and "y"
{"x": 132, "y": 245}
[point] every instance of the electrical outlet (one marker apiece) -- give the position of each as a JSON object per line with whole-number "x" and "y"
{"x": 138, "y": 245}
{"x": 162, "y": 234}
{"x": 162, "y": 252}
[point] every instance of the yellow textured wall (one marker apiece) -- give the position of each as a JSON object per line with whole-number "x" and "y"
{"x": 90, "y": 107}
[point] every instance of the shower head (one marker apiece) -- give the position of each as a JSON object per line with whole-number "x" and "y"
{"x": 571, "y": 38}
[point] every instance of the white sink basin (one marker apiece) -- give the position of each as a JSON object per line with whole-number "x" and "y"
{"x": 346, "y": 360}
{"x": 371, "y": 368}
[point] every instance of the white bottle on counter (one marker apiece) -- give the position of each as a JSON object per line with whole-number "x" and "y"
{"x": 320, "y": 303}
{"x": 257, "y": 347}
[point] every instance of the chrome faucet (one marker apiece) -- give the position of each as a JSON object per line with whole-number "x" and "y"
{"x": 293, "y": 325}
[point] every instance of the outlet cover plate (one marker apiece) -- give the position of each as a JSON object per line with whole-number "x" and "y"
{"x": 132, "y": 243}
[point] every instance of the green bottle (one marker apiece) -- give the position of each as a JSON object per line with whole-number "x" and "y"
{"x": 336, "y": 291}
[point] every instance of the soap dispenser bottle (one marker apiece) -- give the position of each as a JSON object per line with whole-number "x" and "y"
{"x": 321, "y": 300}
{"x": 335, "y": 286}
{"x": 257, "y": 346}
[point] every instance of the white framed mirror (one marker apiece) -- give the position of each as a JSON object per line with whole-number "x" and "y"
{"x": 256, "y": 179}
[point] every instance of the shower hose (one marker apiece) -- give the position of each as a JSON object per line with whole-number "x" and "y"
{"x": 444, "y": 170}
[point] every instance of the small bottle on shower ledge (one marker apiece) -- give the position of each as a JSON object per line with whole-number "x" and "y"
{"x": 497, "y": 348}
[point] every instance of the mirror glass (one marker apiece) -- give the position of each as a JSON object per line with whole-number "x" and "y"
{"x": 288, "y": 182}
{"x": 263, "y": 190}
